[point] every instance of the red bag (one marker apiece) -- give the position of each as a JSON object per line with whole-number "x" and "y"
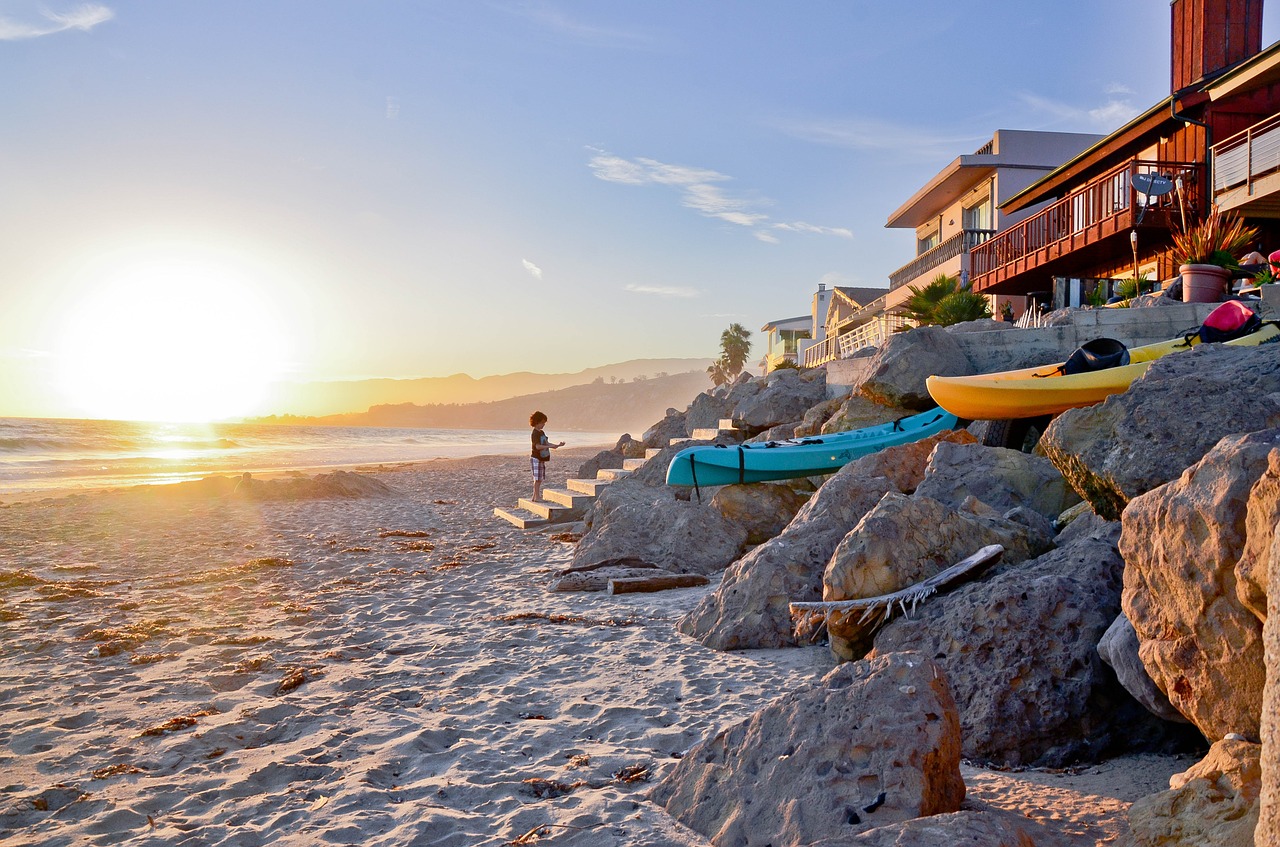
{"x": 1232, "y": 319}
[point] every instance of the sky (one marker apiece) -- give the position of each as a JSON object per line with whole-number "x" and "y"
{"x": 203, "y": 195}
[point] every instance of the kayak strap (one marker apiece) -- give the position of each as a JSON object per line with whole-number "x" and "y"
{"x": 693, "y": 472}
{"x": 742, "y": 465}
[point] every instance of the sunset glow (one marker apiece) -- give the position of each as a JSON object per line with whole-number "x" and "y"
{"x": 170, "y": 340}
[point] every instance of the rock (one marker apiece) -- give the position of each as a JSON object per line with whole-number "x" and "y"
{"x": 905, "y": 540}
{"x": 855, "y": 412}
{"x": 904, "y": 362}
{"x": 749, "y": 609}
{"x": 980, "y": 828}
{"x": 785, "y": 396}
{"x": 1213, "y": 804}
{"x": 629, "y": 447}
{"x": 1262, "y": 515}
{"x": 661, "y": 433}
{"x": 604, "y": 459}
{"x": 781, "y": 432}
{"x": 1119, "y": 649}
{"x": 1180, "y": 544}
{"x": 873, "y": 743}
{"x": 1166, "y": 421}
{"x": 1269, "y": 820}
{"x": 650, "y": 524}
{"x": 816, "y": 416}
{"x": 905, "y": 464}
{"x": 1003, "y": 479}
{"x": 706, "y": 412}
{"x": 763, "y": 509}
{"x": 1018, "y": 649}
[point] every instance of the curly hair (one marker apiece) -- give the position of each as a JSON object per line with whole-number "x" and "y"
{"x": 537, "y": 418}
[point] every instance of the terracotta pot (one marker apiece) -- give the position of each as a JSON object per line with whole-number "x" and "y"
{"x": 1203, "y": 283}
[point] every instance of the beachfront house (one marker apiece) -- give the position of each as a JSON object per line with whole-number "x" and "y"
{"x": 783, "y": 339}
{"x": 852, "y": 320}
{"x": 1109, "y": 213}
{"x": 959, "y": 208}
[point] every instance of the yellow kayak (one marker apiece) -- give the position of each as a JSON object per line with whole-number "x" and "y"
{"x": 1031, "y": 392}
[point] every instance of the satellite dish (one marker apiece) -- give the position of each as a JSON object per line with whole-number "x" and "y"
{"x": 1152, "y": 185}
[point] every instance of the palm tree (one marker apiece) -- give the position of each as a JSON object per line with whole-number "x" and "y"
{"x": 944, "y": 302}
{"x": 719, "y": 372}
{"x": 735, "y": 346}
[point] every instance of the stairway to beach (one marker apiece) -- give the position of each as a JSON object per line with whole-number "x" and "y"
{"x": 564, "y": 505}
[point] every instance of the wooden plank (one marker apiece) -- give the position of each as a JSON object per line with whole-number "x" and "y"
{"x": 633, "y": 585}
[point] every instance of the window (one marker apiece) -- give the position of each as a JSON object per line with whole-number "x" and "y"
{"x": 926, "y": 242}
{"x": 978, "y": 216}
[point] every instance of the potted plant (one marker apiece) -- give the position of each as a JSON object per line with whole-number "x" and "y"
{"x": 1206, "y": 255}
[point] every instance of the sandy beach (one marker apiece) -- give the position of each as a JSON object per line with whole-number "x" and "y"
{"x": 179, "y": 667}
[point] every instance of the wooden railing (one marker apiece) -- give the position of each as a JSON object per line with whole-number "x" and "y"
{"x": 1247, "y": 155}
{"x": 961, "y": 242}
{"x": 1072, "y": 221}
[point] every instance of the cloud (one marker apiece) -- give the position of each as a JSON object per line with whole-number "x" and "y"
{"x": 1109, "y": 116}
{"x": 534, "y": 270}
{"x": 699, "y": 190}
{"x": 83, "y": 17}
{"x": 553, "y": 19}
{"x": 662, "y": 290}
{"x": 393, "y": 108}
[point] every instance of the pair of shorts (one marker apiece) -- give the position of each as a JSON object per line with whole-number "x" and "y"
{"x": 538, "y": 467}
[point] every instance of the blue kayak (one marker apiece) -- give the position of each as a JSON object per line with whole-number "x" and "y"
{"x": 799, "y": 457}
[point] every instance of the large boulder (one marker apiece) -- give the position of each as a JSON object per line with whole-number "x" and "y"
{"x": 906, "y": 360}
{"x": 1003, "y": 479}
{"x": 784, "y": 397}
{"x": 1181, "y": 543}
{"x": 1213, "y": 804}
{"x": 1262, "y": 517}
{"x": 1167, "y": 420}
{"x": 816, "y": 417}
{"x": 763, "y": 509}
{"x": 905, "y": 540}
{"x": 750, "y": 607}
{"x": 1269, "y": 821}
{"x": 856, "y": 412}
{"x": 1018, "y": 648}
{"x": 651, "y": 525}
{"x": 670, "y": 427}
{"x": 873, "y": 743}
{"x": 706, "y": 411}
{"x": 1119, "y": 649}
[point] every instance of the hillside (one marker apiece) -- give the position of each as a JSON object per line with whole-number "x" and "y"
{"x": 596, "y": 407}
{"x": 342, "y": 397}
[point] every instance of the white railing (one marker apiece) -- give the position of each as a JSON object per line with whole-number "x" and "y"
{"x": 1032, "y": 318}
{"x": 870, "y": 334}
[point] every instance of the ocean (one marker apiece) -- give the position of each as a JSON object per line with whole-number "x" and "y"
{"x": 64, "y": 456}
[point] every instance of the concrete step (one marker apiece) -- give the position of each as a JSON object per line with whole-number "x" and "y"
{"x": 707, "y": 434}
{"x": 730, "y": 423}
{"x": 520, "y": 518}
{"x": 650, "y": 452}
{"x": 568, "y": 498}
{"x": 551, "y": 512}
{"x": 612, "y": 474}
{"x": 587, "y": 486}
{"x": 633, "y": 464}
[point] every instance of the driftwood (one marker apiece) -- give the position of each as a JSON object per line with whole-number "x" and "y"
{"x": 598, "y": 580}
{"x": 632, "y": 585}
{"x": 810, "y": 618}
{"x": 623, "y": 562}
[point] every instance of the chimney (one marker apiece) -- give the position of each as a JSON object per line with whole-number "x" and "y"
{"x": 1210, "y": 35}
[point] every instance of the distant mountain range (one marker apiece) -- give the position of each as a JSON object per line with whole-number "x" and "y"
{"x": 313, "y": 399}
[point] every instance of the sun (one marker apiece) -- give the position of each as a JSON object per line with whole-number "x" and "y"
{"x": 170, "y": 340}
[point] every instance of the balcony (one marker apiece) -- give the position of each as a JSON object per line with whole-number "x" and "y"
{"x": 1246, "y": 170}
{"x": 1088, "y": 226}
{"x": 961, "y": 242}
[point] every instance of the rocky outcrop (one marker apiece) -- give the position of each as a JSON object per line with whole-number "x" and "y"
{"x": 1148, "y": 435}
{"x": 750, "y": 607}
{"x": 1018, "y": 648}
{"x": 816, "y": 417}
{"x": 855, "y": 412}
{"x": 784, "y": 397}
{"x": 1262, "y": 517}
{"x": 1181, "y": 543}
{"x": 906, "y": 359}
{"x": 873, "y": 743}
{"x": 661, "y": 433}
{"x": 980, "y": 828}
{"x": 1119, "y": 649}
{"x": 706, "y": 411}
{"x": 905, "y": 540}
{"x": 651, "y": 525}
{"x": 763, "y": 509}
{"x": 1003, "y": 479}
{"x": 1269, "y": 819}
{"x": 1213, "y": 804}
